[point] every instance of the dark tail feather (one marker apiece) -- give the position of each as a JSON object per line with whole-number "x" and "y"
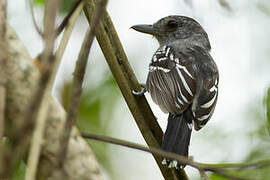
{"x": 177, "y": 136}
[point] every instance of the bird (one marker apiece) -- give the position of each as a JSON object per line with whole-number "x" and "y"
{"x": 182, "y": 80}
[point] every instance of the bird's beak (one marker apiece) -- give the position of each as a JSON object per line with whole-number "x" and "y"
{"x": 145, "y": 28}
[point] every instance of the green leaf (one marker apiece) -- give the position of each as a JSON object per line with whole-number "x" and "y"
{"x": 64, "y": 4}
{"x": 40, "y": 2}
{"x": 268, "y": 108}
{"x": 19, "y": 173}
{"x": 264, "y": 7}
{"x": 97, "y": 106}
{"x": 217, "y": 177}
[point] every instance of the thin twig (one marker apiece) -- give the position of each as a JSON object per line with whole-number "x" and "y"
{"x": 2, "y": 122}
{"x": 75, "y": 100}
{"x": 36, "y": 143}
{"x": 68, "y": 16}
{"x": 117, "y": 60}
{"x": 161, "y": 153}
{"x": 77, "y": 82}
{"x": 37, "y": 28}
{"x": 2, "y": 113}
{"x": 41, "y": 120}
{"x": 63, "y": 24}
{"x": 66, "y": 36}
{"x": 239, "y": 166}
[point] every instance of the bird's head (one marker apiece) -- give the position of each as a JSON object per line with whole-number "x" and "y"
{"x": 175, "y": 27}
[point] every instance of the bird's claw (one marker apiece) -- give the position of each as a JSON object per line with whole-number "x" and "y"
{"x": 171, "y": 163}
{"x": 139, "y": 93}
{"x": 164, "y": 162}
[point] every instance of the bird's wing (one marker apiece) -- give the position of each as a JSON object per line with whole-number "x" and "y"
{"x": 184, "y": 80}
{"x": 207, "y": 78}
{"x": 171, "y": 83}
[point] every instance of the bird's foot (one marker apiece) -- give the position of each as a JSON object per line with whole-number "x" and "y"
{"x": 172, "y": 163}
{"x": 164, "y": 162}
{"x": 140, "y": 93}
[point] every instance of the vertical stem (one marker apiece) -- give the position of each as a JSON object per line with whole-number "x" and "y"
{"x": 42, "y": 114}
{"x": 75, "y": 99}
{"x": 51, "y": 7}
{"x": 2, "y": 122}
{"x": 78, "y": 81}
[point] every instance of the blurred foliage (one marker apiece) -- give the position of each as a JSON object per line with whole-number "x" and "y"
{"x": 260, "y": 142}
{"x": 217, "y": 177}
{"x": 251, "y": 173}
{"x": 264, "y": 7}
{"x": 19, "y": 172}
{"x": 64, "y": 6}
{"x": 268, "y": 108}
{"x": 257, "y": 136}
{"x": 95, "y": 113}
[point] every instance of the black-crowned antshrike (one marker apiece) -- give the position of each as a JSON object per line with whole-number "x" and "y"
{"x": 182, "y": 79}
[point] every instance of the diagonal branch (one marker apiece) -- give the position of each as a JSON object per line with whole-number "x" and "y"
{"x": 65, "y": 21}
{"x": 199, "y": 166}
{"x": 126, "y": 80}
{"x": 78, "y": 81}
{"x": 62, "y": 25}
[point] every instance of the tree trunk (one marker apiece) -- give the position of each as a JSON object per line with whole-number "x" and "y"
{"x": 21, "y": 79}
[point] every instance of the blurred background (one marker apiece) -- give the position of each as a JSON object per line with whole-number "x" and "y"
{"x": 239, "y": 35}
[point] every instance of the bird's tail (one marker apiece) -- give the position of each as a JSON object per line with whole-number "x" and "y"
{"x": 177, "y": 136}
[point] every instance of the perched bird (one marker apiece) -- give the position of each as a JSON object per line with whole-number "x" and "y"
{"x": 182, "y": 80}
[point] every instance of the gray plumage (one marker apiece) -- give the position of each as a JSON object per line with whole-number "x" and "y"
{"x": 182, "y": 79}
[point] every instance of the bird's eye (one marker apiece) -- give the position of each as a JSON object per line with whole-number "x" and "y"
{"x": 172, "y": 24}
